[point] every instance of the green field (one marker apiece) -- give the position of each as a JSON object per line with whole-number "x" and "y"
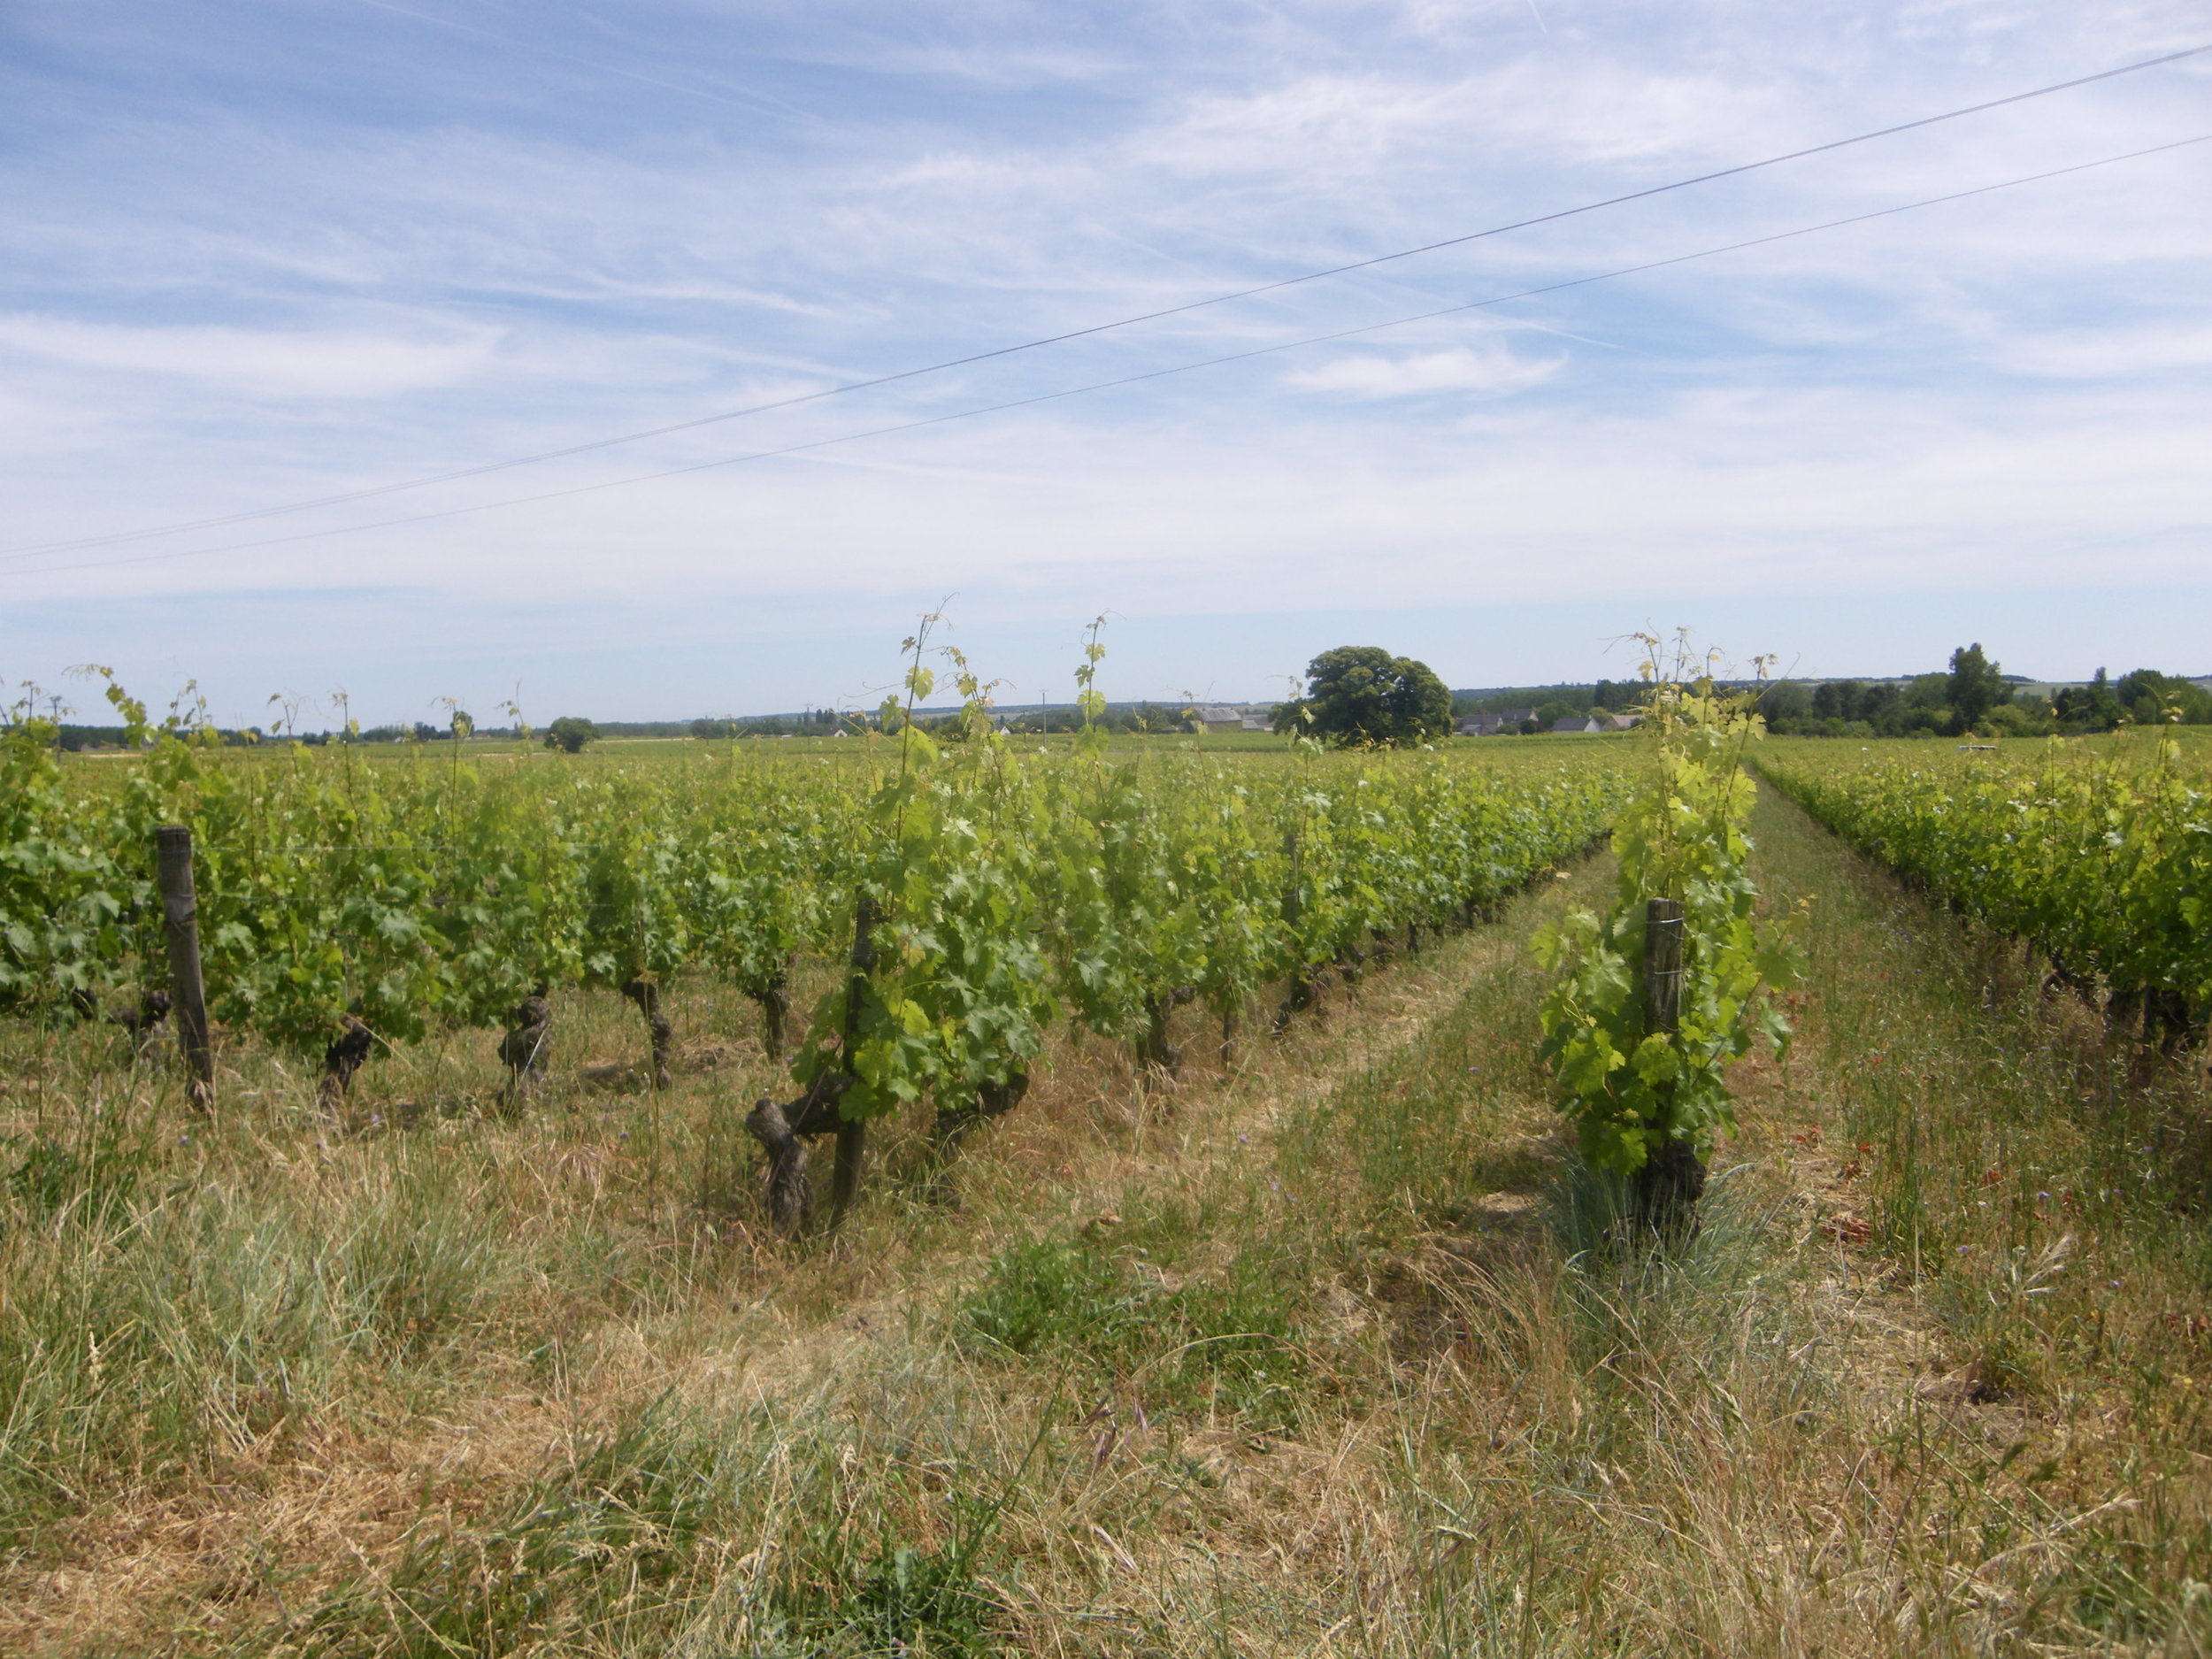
{"x": 672, "y": 748}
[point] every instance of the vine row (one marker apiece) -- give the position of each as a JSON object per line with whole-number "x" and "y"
{"x": 978, "y": 888}
{"x": 2102, "y": 859}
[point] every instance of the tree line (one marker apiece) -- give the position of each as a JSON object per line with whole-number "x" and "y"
{"x": 1974, "y": 698}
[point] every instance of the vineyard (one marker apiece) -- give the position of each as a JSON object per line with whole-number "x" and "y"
{"x": 2099, "y": 859}
{"x": 976, "y": 891}
{"x": 1533, "y": 1196}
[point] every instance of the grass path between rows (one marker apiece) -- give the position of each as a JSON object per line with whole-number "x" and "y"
{"x": 2014, "y": 1208}
{"x": 1331, "y": 1357}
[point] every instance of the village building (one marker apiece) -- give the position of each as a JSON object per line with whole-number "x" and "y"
{"x": 1495, "y": 724}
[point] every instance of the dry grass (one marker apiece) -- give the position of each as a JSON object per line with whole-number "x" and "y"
{"x": 590, "y": 1257}
{"x": 1326, "y": 1354}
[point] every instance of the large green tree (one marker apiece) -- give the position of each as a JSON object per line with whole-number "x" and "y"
{"x": 1977, "y": 686}
{"x": 1361, "y": 694}
{"x": 2152, "y": 698}
{"x": 570, "y": 733}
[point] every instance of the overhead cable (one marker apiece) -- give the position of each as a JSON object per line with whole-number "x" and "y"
{"x": 844, "y": 387}
{"x": 1128, "y": 380}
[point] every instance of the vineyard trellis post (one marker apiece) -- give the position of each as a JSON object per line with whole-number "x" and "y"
{"x": 1673, "y": 1177}
{"x": 1662, "y": 964}
{"x": 181, "y": 923}
{"x": 852, "y": 1133}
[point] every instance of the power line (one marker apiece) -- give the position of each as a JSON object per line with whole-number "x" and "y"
{"x": 844, "y": 387}
{"x": 1129, "y": 379}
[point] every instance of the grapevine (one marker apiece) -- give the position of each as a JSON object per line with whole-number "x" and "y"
{"x": 976, "y": 889}
{"x": 1649, "y": 1100}
{"x": 2102, "y": 860}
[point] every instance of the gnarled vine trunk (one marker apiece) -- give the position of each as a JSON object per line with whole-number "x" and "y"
{"x": 2062, "y": 978}
{"x": 783, "y": 1128}
{"x": 341, "y": 1060}
{"x": 523, "y": 1049}
{"x": 1154, "y": 1049}
{"x": 2167, "y": 1021}
{"x": 1668, "y": 1188}
{"x": 647, "y": 994}
{"x": 775, "y": 1013}
{"x": 1303, "y": 990}
{"x": 143, "y": 1018}
{"x": 953, "y": 1124}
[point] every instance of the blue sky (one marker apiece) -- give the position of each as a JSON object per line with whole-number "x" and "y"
{"x": 255, "y": 253}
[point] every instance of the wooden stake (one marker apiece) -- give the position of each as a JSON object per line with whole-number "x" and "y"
{"x": 188, "y": 995}
{"x": 852, "y": 1133}
{"x": 1662, "y": 964}
{"x": 1673, "y": 1177}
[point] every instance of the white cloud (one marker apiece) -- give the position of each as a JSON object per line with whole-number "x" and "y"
{"x": 2090, "y": 354}
{"x": 267, "y": 363}
{"x": 1493, "y": 370}
{"x": 232, "y": 296}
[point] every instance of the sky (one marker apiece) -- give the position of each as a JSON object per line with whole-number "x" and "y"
{"x": 259, "y": 254}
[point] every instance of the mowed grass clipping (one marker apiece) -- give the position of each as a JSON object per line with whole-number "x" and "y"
{"x": 1333, "y": 1354}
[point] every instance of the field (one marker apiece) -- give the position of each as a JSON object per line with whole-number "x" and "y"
{"x": 678, "y": 749}
{"x": 1318, "y": 1343}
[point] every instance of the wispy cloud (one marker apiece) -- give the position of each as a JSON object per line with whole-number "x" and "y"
{"x": 1493, "y": 370}
{"x": 2104, "y": 354}
{"x": 338, "y": 245}
{"x": 262, "y": 363}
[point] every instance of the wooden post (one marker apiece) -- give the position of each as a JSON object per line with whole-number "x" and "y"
{"x": 1673, "y": 1177}
{"x": 1299, "y": 997}
{"x": 1662, "y": 964}
{"x": 852, "y": 1133}
{"x": 181, "y": 920}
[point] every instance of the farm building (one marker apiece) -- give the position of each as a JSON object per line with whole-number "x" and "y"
{"x": 1491, "y": 724}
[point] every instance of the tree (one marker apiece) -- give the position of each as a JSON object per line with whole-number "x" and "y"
{"x": 1361, "y": 694}
{"x": 1837, "y": 700}
{"x": 1976, "y": 686}
{"x": 710, "y": 728}
{"x": 570, "y": 734}
{"x": 1615, "y": 695}
{"x": 2152, "y": 698}
{"x": 1784, "y": 701}
{"x": 2093, "y": 706}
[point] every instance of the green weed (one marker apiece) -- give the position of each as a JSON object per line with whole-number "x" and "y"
{"x": 1230, "y": 1341}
